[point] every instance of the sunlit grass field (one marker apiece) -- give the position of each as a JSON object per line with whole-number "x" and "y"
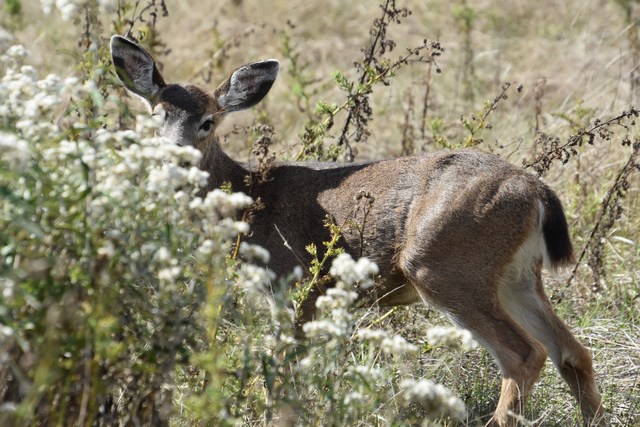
{"x": 95, "y": 341}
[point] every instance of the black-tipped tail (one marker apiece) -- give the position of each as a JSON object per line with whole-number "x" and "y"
{"x": 556, "y": 231}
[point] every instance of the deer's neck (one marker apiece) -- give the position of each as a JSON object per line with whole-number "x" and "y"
{"x": 222, "y": 169}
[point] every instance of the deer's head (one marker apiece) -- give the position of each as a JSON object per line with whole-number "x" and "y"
{"x": 190, "y": 114}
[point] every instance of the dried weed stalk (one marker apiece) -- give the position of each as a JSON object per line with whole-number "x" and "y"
{"x": 408, "y": 135}
{"x": 465, "y": 18}
{"x": 264, "y": 158}
{"x": 374, "y": 68}
{"x": 611, "y": 207}
{"x": 610, "y": 211}
{"x": 554, "y": 150}
{"x": 479, "y": 121}
{"x": 148, "y": 15}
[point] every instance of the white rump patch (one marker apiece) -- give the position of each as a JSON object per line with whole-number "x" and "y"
{"x": 546, "y": 260}
{"x": 518, "y": 287}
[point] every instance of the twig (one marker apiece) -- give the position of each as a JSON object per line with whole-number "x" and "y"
{"x": 610, "y": 211}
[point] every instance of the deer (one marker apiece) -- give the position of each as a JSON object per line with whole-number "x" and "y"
{"x": 461, "y": 230}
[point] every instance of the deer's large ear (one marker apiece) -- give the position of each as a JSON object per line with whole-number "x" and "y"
{"x": 136, "y": 69}
{"x": 247, "y": 85}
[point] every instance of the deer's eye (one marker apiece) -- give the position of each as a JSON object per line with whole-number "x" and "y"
{"x": 206, "y": 125}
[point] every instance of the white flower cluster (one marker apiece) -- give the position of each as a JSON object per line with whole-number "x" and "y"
{"x": 254, "y": 253}
{"x": 119, "y": 161}
{"x": 337, "y": 300}
{"x": 168, "y": 269}
{"x": 279, "y": 341}
{"x": 397, "y": 345}
{"x": 222, "y": 204}
{"x": 165, "y": 179}
{"x": 340, "y": 321}
{"x": 129, "y": 173}
{"x": 254, "y": 278}
{"x": 14, "y": 150}
{"x": 14, "y": 56}
{"x": 157, "y": 157}
{"x": 354, "y": 398}
{"x": 7, "y": 288}
{"x": 147, "y": 123}
{"x": 359, "y": 273}
{"x": 371, "y": 375}
{"x": 73, "y": 152}
{"x": 69, "y": 8}
{"x": 389, "y": 344}
{"x": 26, "y": 99}
{"x": 218, "y": 209}
{"x": 374, "y": 336}
{"x": 153, "y": 149}
{"x": 451, "y": 337}
{"x": 126, "y": 158}
{"x": 436, "y": 399}
{"x": 5, "y": 332}
{"x": 323, "y": 329}
{"x": 206, "y": 249}
{"x": 108, "y": 249}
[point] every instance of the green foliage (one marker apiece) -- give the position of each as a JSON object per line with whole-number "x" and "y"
{"x": 465, "y": 15}
{"x": 479, "y": 121}
{"x": 101, "y": 269}
{"x": 437, "y": 128}
{"x": 318, "y": 266}
{"x": 13, "y": 7}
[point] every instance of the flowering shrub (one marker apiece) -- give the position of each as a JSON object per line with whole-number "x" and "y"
{"x": 105, "y": 247}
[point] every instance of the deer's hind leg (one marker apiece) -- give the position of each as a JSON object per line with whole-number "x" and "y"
{"x": 523, "y": 296}
{"x": 476, "y": 307}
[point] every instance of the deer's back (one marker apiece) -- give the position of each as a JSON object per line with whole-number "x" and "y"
{"x": 427, "y": 200}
